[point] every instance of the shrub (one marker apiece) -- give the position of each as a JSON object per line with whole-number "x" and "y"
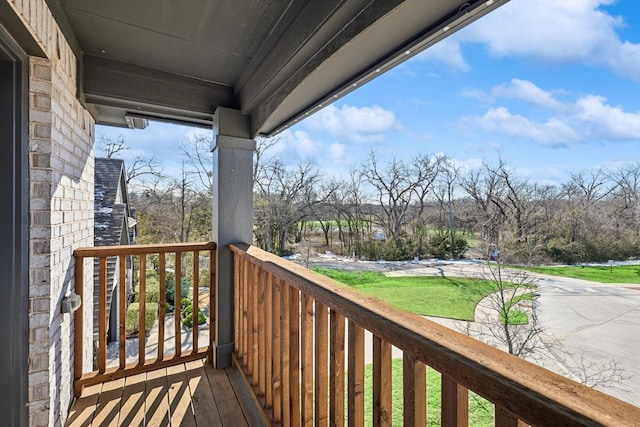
{"x": 151, "y": 288}
{"x": 188, "y": 319}
{"x": 170, "y": 288}
{"x": 440, "y": 246}
{"x": 187, "y": 313}
{"x": 132, "y": 323}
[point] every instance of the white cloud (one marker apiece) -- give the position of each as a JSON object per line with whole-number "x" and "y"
{"x": 336, "y": 153}
{"x": 356, "y": 124}
{"x": 292, "y": 147}
{"x": 478, "y": 94}
{"x": 447, "y": 52}
{"x": 590, "y": 117}
{"x": 527, "y": 91}
{"x": 602, "y": 121}
{"x": 552, "y": 132}
{"x": 559, "y": 31}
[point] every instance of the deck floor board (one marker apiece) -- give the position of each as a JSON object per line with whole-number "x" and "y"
{"x": 188, "y": 394}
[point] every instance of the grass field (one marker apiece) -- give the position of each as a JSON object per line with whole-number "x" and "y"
{"x": 453, "y": 298}
{"x": 603, "y": 274}
{"x": 516, "y": 317}
{"x": 481, "y": 411}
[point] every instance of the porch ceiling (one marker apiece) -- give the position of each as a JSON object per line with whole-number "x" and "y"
{"x": 274, "y": 60}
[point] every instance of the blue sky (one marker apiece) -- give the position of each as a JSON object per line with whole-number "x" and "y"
{"x": 550, "y": 86}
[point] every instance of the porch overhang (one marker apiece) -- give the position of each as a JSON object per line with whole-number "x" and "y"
{"x": 275, "y": 61}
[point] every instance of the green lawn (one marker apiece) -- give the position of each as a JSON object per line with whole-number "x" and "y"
{"x": 481, "y": 411}
{"x": 453, "y": 298}
{"x": 516, "y": 317}
{"x": 603, "y": 274}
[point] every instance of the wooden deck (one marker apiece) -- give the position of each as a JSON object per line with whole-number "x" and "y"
{"x": 189, "y": 394}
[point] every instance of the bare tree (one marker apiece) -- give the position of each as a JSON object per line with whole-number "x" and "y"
{"x": 600, "y": 375}
{"x": 139, "y": 168}
{"x": 198, "y": 160}
{"x": 262, "y": 157}
{"x": 485, "y": 191}
{"x": 397, "y": 186}
{"x": 444, "y": 191}
{"x": 502, "y": 321}
{"x": 283, "y": 197}
{"x": 110, "y": 147}
{"x": 173, "y": 210}
{"x": 627, "y": 181}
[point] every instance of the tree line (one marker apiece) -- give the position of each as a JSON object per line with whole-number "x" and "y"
{"x": 429, "y": 206}
{"x": 426, "y": 206}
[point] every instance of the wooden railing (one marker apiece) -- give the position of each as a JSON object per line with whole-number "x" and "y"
{"x": 183, "y": 349}
{"x": 290, "y": 344}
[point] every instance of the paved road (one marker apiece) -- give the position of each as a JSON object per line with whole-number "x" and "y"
{"x": 600, "y": 322}
{"x": 597, "y": 325}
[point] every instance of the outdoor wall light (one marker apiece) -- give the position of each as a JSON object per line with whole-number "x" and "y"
{"x": 70, "y": 303}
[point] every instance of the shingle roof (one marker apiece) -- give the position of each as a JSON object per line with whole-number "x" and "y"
{"x": 111, "y": 223}
{"x": 109, "y": 215}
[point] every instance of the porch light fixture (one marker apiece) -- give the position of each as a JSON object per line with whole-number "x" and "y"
{"x": 70, "y": 304}
{"x": 135, "y": 122}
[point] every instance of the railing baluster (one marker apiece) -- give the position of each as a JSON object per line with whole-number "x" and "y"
{"x": 505, "y": 418}
{"x": 294, "y": 356}
{"x": 306, "y": 337}
{"x": 245, "y": 313}
{"x": 285, "y": 351}
{"x": 381, "y": 383}
{"x": 336, "y": 370}
{"x": 276, "y": 378}
{"x": 212, "y": 300}
{"x": 321, "y": 368}
{"x": 356, "y": 375}
{"x": 455, "y": 403}
{"x": 195, "y": 314}
{"x": 268, "y": 342}
{"x": 414, "y": 384}
{"x": 102, "y": 315}
{"x": 255, "y": 320}
{"x": 250, "y": 315}
{"x": 142, "y": 314}
{"x": 162, "y": 266}
{"x": 237, "y": 305}
{"x": 261, "y": 334}
{"x": 122, "y": 311}
{"x": 178, "y": 305}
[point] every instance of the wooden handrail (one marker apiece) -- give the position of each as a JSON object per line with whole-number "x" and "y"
{"x": 144, "y": 363}
{"x": 521, "y": 391}
{"x": 97, "y": 251}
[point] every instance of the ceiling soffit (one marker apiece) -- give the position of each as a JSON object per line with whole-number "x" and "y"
{"x": 274, "y": 60}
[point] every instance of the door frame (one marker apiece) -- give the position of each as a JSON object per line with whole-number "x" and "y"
{"x": 14, "y": 228}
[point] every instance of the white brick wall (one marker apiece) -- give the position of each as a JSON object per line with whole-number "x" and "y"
{"x": 60, "y": 178}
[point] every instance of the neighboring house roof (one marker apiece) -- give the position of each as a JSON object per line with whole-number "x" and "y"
{"x": 111, "y": 202}
{"x": 112, "y": 221}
